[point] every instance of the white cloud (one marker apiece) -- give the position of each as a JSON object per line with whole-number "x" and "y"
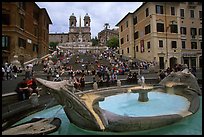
{"x": 99, "y": 12}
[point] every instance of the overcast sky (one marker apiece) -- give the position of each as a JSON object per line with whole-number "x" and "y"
{"x": 99, "y": 12}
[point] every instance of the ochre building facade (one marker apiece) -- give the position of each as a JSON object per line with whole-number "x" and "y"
{"x": 166, "y": 32}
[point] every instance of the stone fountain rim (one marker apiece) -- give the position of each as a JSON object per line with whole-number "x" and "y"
{"x": 109, "y": 117}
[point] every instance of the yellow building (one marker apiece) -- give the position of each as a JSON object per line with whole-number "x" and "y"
{"x": 166, "y": 32}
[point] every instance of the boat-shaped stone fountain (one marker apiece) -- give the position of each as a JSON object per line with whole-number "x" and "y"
{"x": 85, "y": 111}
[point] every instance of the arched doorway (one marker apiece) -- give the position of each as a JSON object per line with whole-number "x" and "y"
{"x": 173, "y": 62}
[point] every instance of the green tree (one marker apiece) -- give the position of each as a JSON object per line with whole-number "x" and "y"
{"x": 53, "y": 45}
{"x": 95, "y": 41}
{"x": 113, "y": 42}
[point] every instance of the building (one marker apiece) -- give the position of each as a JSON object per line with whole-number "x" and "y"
{"x": 58, "y": 37}
{"x": 74, "y": 31}
{"x": 78, "y": 39}
{"x": 107, "y": 34}
{"x": 166, "y": 32}
{"x": 25, "y": 29}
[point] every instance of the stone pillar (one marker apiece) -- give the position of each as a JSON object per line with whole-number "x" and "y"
{"x": 95, "y": 86}
{"x": 34, "y": 99}
{"x": 143, "y": 97}
{"x": 118, "y": 83}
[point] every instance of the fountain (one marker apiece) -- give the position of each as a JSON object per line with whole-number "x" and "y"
{"x": 87, "y": 107}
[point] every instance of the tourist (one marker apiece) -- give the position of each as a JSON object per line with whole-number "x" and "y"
{"x": 129, "y": 77}
{"x": 34, "y": 86}
{"x": 57, "y": 78}
{"x": 77, "y": 83}
{"x": 2, "y": 73}
{"x": 8, "y": 71}
{"x": 27, "y": 73}
{"x": 22, "y": 90}
{"x": 162, "y": 75}
{"x": 15, "y": 71}
{"x": 107, "y": 79}
{"x": 114, "y": 77}
{"x": 134, "y": 77}
{"x": 82, "y": 81}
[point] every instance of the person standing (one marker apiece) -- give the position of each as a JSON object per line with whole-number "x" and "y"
{"x": 8, "y": 70}
{"x": 27, "y": 72}
{"x": 82, "y": 81}
{"x": 15, "y": 71}
{"x": 134, "y": 77}
{"x": 2, "y": 73}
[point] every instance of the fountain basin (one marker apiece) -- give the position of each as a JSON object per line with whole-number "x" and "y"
{"x": 120, "y": 123}
{"x": 85, "y": 107}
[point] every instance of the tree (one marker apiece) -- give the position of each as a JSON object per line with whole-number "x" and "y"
{"x": 113, "y": 42}
{"x": 95, "y": 41}
{"x": 53, "y": 45}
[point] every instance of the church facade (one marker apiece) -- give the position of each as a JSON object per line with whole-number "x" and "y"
{"x": 76, "y": 33}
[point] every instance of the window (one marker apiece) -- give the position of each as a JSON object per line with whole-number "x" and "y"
{"x": 183, "y": 43}
{"x": 136, "y": 35}
{"x": 159, "y": 9}
{"x": 147, "y": 12}
{"x": 121, "y": 41}
{"x": 127, "y": 38}
{"x": 127, "y": 24}
{"x": 192, "y": 13}
{"x": 5, "y": 19}
{"x": 147, "y": 29}
{"x": 135, "y": 20}
{"x": 22, "y": 22}
{"x": 137, "y": 48}
{"x": 201, "y": 43}
{"x": 128, "y": 50}
{"x": 173, "y": 44}
{"x": 121, "y": 28}
{"x": 122, "y": 52}
{"x": 193, "y": 45}
{"x": 193, "y": 31}
{"x": 174, "y": 28}
{"x": 22, "y": 5}
{"x": 182, "y": 13}
{"x": 148, "y": 45}
{"x": 200, "y": 31}
{"x": 161, "y": 43}
{"x": 35, "y": 48}
{"x": 5, "y": 42}
{"x": 21, "y": 42}
{"x": 172, "y": 10}
{"x": 35, "y": 31}
{"x": 160, "y": 27}
{"x": 200, "y": 14}
{"x": 183, "y": 30}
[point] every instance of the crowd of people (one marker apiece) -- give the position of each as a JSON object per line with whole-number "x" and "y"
{"x": 59, "y": 64}
{"x": 10, "y": 71}
{"x": 177, "y": 67}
